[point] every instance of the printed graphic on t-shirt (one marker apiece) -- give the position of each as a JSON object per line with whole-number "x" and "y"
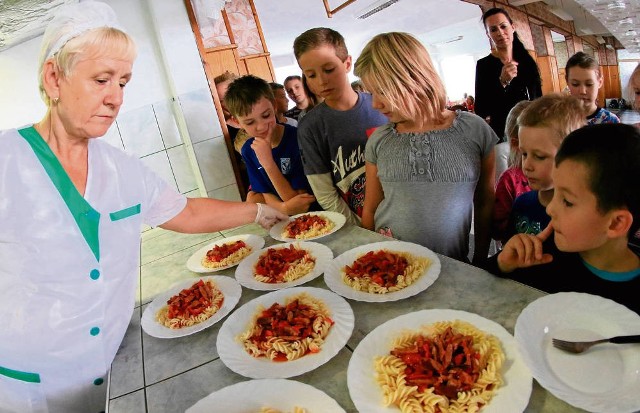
{"x": 348, "y": 173}
{"x": 525, "y": 226}
{"x": 285, "y": 165}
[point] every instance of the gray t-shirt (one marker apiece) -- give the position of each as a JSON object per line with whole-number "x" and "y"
{"x": 333, "y": 141}
{"x": 429, "y": 181}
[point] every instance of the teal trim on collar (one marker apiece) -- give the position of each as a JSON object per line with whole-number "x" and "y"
{"x": 20, "y": 375}
{"x": 613, "y": 276}
{"x": 85, "y": 216}
{"x": 125, "y": 213}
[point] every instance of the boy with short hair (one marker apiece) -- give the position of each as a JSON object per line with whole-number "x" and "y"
{"x": 333, "y": 135}
{"x": 295, "y": 90}
{"x": 594, "y": 211}
{"x": 584, "y": 79}
{"x": 271, "y": 154}
{"x": 541, "y": 128}
{"x": 281, "y": 104}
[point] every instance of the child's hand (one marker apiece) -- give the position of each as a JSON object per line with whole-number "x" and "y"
{"x": 299, "y": 204}
{"x": 524, "y": 250}
{"x": 262, "y": 148}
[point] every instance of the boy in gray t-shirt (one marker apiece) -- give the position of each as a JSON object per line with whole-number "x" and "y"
{"x": 333, "y": 135}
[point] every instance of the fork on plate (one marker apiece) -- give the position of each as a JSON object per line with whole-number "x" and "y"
{"x": 582, "y": 346}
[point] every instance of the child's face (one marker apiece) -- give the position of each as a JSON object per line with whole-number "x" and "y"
{"x": 326, "y": 74}
{"x": 584, "y": 84}
{"x": 380, "y": 103}
{"x": 538, "y": 146}
{"x": 261, "y": 120}
{"x": 577, "y": 222}
{"x": 295, "y": 90}
{"x": 282, "y": 103}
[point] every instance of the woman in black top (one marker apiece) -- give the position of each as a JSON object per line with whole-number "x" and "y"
{"x": 507, "y": 75}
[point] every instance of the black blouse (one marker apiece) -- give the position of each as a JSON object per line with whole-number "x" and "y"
{"x": 496, "y": 101}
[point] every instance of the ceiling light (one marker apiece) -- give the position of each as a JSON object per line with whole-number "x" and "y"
{"x": 616, "y": 5}
{"x": 374, "y": 8}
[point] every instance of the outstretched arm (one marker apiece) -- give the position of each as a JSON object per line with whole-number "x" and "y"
{"x": 202, "y": 215}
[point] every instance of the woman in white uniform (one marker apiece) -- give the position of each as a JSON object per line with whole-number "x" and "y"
{"x": 71, "y": 209}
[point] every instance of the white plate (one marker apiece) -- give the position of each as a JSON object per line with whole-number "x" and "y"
{"x": 234, "y": 356}
{"x": 604, "y": 379}
{"x": 512, "y": 396}
{"x": 245, "y": 274}
{"x": 280, "y": 394}
{"x": 194, "y": 263}
{"x": 229, "y": 287}
{"x": 337, "y": 218}
{"x": 333, "y": 273}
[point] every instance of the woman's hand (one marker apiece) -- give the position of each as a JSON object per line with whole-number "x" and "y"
{"x": 268, "y": 216}
{"x": 524, "y": 250}
{"x": 509, "y": 71}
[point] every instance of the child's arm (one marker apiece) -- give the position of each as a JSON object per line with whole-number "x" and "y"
{"x": 296, "y": 205}
{"x": 483, "y": 201}
{"x": 262, "y": 148}
{"x": 328, "y": 197}
{"x": 502, "y": 205}
{"x": 373, "y": 195}
{"x": 524, "y": 250}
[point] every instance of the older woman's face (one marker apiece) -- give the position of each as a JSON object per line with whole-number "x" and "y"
{"x": 499, "y": 30}
{"x": 91, "y": 96}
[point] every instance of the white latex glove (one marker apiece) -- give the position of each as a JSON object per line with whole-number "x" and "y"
{"x": 268, "y": 216}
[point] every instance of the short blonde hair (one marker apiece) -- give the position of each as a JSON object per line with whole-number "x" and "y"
{"x": 317, "y": 37}
{"x": 511, "y": 132}
{"x": 560, "y": 113}
{"x": 399, "y": 67}
{"x": 93, "y": 43}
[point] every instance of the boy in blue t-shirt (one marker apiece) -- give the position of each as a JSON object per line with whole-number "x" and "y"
{"x": 271, "y": 154}
{"x": 594, "y": 211}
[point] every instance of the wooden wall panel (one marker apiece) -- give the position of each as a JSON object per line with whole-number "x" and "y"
{"x": 548, "y": 74}
{"x": 260, "y": 67}
{"x": 222, "y": 60}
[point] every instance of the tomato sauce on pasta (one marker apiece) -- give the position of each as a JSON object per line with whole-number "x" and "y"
{"x": 307, "y": 226}
{"x": 223, "y": 255}
{"x": 279, "y": 265}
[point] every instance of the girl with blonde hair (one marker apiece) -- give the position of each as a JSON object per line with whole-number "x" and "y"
{"x": 438, "y": 162}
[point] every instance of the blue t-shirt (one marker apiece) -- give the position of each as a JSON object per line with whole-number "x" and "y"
{"x": 528, "y": 216}
{"x": 286, "y": 155}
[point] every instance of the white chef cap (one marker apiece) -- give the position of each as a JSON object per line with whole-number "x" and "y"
{"x": 71, "y": 21}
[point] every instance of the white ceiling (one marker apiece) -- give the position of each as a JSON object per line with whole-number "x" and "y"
{"x": 433, "y": 21}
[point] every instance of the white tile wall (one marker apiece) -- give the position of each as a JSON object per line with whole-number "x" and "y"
{"x": 167, "y": 124}
{"x": 199, "y": 112}
{"x": 140, "y": 132}
{"x": 214, "y": 163}
{"x": 182, "y": 170}
{"x": 226, "y": 193}
{"x": 159, "y": 163}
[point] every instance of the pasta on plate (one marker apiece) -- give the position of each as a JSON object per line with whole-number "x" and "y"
{"x": 191, "y": 306}
{"x": 280, "y": 265}
{"x": 225, "y": 255}
{"x": 272, "y": 410}
{"x": 290, "y": 331}
{"x": 384, "y": 271}
{"x": 445, "y": 367}
{"x": 308, "y": 226}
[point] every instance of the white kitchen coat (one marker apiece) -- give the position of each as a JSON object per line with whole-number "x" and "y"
{"x": 68, "y": 269}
